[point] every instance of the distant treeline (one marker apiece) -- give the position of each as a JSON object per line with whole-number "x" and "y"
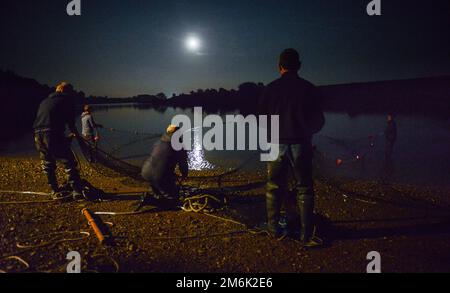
{"x": 21, "y": 96}
{"x": 156, "y": 100}
{"x": 425, "y": 96}
{"x": 244, "y": 99}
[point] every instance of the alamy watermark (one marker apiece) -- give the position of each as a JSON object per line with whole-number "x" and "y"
{"x": 74, "y": 265}
{"x": 74, "y": 8}
{"x": 374, "y": 8}
{"x": 235, "y": 133}
{"x": 374, "y": 266}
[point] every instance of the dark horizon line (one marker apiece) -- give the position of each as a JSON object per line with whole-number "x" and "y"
{"x": 446, "y": 76}
{"x": 321, "y": 86}
{"x": 389, "y": 80}
{"x": 436, "y": 77}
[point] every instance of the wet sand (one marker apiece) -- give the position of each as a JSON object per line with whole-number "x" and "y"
{"x": 408, "y": 225}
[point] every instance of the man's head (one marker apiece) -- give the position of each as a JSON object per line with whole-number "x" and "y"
{"x": 289, "y": 61}
{"x": 390, "y": 118}
{"x": 64, "y": 87}
{"x": 87, "y": 108}
{"x": 171, "y": 129}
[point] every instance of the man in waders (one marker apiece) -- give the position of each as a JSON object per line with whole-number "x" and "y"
{"x": 390, "y": 134}
{"x": 297, "y": 103}
{"x": 55, "y": 113}
{"x": 159, "y": 169}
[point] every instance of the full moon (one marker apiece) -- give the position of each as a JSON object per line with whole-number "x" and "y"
{"x": 193, "y": 43}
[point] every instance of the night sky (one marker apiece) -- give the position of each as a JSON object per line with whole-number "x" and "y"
{"x": 124, "y": 48}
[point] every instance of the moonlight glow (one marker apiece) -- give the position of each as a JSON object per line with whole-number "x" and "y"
{"x": 193, "y": 43}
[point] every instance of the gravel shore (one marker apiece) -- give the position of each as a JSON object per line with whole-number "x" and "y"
{"x": 408, "y": 225}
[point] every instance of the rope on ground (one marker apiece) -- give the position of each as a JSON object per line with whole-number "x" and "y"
{"x": 190, "y": 206}
{"x": 124, "y": 213}
{"x": 255, "y": 231}
{"x": 368, "y": 199}
{"x": 18, "y": 259}
{"x": 24, "y": 248}
{"x": 194, "y": 204}
{"x": 358, "y": 199}
{"x": 9, "y": 192}
{"x": 25, "y": 192}
{"x": 199, "y": 236}
{"x": 226, "y": 220}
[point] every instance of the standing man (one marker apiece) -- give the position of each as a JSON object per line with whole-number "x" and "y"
{"x": 390, "y": 134}
{"x": 297, "y": 103}
{"x": 55, "y": 114}
{"x": 89, "y": 130}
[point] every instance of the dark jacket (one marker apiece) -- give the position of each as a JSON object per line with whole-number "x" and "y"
{"x": 298, "y": 103}
{"x": 159, "y": 168}
{"x": 55, "y": 113}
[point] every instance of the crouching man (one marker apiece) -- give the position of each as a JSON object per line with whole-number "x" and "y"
{"x": 55, "y": 114}
{"x": 159, "y": 168}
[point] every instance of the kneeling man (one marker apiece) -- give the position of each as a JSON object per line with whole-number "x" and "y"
{"x": 159, "y": 168}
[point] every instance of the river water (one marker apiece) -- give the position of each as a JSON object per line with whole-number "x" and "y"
{"x": 421, "y": 154}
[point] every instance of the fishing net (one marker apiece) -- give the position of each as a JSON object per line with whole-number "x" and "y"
{"x": 127, "y": 152}
{"x": 120, "y": 158}
{"x": 209, "y": 190}
{"x": 99, "y": 158}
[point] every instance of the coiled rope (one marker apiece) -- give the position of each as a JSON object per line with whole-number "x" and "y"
{"x": 195, "y": 204}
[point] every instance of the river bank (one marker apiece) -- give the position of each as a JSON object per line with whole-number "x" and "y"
{"x": 408, "y": 225}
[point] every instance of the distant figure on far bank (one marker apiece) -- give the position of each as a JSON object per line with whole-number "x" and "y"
{"x": 290, "y": 178}
{"x": 89, "y": 130}
{"x": 390, "y": 134}
{"x": 55, "y": 113}
{"x": 159, "y": 168}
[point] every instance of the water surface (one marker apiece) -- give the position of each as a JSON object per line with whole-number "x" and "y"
{"x": 421, "y": 155}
